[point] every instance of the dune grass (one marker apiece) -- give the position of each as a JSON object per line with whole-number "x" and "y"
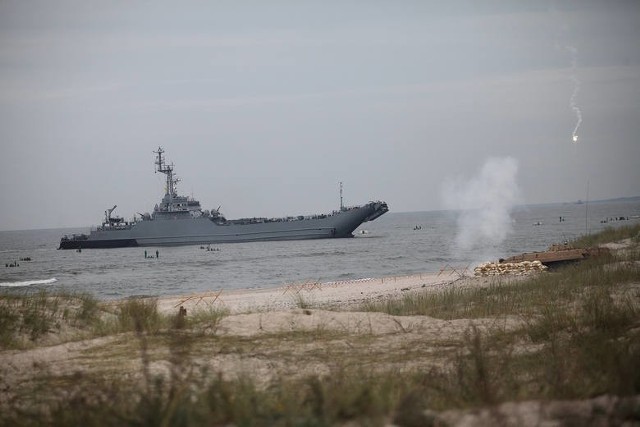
{"x": 506, "y": 297}
{"x": 609, "y": 234}
{"x": 597, "y": 353}
{"x": 26, "y": 318}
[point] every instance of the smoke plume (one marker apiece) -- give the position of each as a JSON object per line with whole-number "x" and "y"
{"x": 485, "y": 203}
{"x": 576, "y": 88}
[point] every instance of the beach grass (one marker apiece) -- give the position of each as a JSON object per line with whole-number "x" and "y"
{"x": 609, "y": 234}
{"x": 508, "y": 297}
{"x": 30, "y": 319}
{"x": 573, "y": 333}
{"x": 26, "y": 318}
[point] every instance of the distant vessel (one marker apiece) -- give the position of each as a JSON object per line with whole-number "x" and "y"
{"x": 180, "y": 220}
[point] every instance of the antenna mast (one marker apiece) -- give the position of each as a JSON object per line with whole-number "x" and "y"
{"x": 341, "y": 204}
{"x": 586, "y": 212}
{"x": 162, "y": 167}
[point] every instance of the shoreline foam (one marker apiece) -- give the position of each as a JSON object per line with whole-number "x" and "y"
{"x": 28, "y": 283}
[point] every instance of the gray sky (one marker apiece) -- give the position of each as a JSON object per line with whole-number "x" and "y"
{"x": 264, "y": 106}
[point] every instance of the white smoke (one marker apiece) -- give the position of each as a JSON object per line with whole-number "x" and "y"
{"x": 576, "y": 88}
{"x": 485, "y": 203}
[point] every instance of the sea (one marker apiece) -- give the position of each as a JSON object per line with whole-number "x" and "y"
{"x": 395, "y": 244}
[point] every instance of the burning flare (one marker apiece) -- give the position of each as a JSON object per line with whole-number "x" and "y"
{"x": 576, "y": 88}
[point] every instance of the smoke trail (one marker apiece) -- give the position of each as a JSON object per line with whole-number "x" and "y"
{"x": 576, "y": 88}
{"x": 485, "y": 203}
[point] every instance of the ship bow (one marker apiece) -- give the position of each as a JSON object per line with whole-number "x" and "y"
{"x": 377, "y": 209}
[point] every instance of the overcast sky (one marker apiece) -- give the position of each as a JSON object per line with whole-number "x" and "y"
{"x": 264, "y": 106}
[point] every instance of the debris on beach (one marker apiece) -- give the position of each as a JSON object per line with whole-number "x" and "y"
{"x": 509, "y": 268}
{"x": 558, "y": 254}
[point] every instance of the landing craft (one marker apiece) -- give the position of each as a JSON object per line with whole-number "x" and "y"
{"x": 180, "y": 220}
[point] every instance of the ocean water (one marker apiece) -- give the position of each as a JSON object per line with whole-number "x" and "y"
{"x": 389, "y": 246}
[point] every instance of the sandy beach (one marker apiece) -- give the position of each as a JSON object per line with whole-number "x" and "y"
{"x": 341, "y": 294}
{"x": 304, "y": 306}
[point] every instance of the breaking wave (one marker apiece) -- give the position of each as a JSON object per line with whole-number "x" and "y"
{"x": 28, "y": 283}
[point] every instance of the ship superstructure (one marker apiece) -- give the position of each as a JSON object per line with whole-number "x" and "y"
{"x": 180, "y": 220}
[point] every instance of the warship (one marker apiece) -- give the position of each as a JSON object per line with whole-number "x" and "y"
{"x": 180, "y": 220}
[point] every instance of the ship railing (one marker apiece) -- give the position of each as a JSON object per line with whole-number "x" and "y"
{"x": 259, "y": 220}
{"x": 114, "y": 227}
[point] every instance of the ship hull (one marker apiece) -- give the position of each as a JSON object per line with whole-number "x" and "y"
{"x": 97, "y": 244}
{"x": 199, "y": 231}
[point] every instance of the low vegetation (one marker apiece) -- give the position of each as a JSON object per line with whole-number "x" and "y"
{"x": 25, "y": 319}
{"x": 610, "y": 234}
{"x": 574, "y": 334}
{"x": 29, "y": 320}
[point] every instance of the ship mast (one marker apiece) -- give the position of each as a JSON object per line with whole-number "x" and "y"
{"x": 162, "y": 167}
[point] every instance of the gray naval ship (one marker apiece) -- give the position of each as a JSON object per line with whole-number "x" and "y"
{"x": 180, "y": 220}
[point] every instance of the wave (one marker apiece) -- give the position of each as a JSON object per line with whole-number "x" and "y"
{"x": 28, "y": 283}
{"x": 319, "y": 254}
